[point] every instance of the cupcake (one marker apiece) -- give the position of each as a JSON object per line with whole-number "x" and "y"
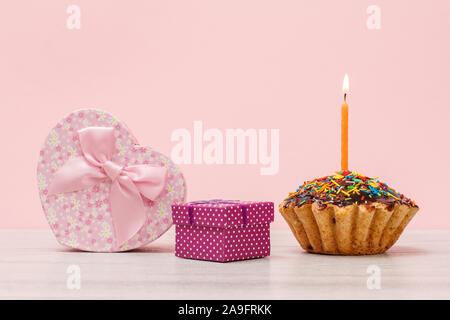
{"x": 348, "y": 214}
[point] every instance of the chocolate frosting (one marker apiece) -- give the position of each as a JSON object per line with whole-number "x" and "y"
{"x": 346, "y": 188}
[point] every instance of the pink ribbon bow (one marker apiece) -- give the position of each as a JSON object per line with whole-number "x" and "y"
{"x": 127, "y": 183}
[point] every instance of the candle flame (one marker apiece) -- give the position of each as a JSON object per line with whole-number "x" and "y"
{"x": 345, "y": 86}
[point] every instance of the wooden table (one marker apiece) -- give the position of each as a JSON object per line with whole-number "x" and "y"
{"x": 33, "y": 265}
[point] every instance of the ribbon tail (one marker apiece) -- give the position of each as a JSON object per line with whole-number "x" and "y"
{"x": 127, "y": 210}
{"x": 76, "y": 174}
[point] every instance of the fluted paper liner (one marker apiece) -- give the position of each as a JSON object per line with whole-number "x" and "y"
{"x": 350, "y": 230}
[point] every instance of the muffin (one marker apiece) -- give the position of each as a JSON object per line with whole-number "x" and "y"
{"x": 347, "y": 214}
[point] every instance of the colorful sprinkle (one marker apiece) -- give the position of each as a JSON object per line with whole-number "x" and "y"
{"x": 344, "y": 188}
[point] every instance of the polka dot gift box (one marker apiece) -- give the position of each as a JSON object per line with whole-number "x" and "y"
{"x": 100, "y": 190}
{"x": 223, "y": 230}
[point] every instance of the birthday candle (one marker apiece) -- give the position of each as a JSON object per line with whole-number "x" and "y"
{"x": 344, "y": 126}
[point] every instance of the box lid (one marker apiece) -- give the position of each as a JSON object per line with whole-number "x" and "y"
{"x": 223, "y": 213}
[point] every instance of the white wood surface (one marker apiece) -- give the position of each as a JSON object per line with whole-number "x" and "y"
{"x": 33, "y": 265}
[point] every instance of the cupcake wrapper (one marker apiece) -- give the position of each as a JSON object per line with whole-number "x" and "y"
{"x": 349, "y": 230}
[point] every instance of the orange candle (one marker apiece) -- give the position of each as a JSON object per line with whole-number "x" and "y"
{"x": 344, "y": 127}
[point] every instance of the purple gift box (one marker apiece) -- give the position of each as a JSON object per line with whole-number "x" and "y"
{"x": 222, "y": 230}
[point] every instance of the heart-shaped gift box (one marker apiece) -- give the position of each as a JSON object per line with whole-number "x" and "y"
{"x": 100, "y": 190}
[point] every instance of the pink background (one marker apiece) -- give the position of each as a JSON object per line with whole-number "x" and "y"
{"x": 160, "y": 65}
